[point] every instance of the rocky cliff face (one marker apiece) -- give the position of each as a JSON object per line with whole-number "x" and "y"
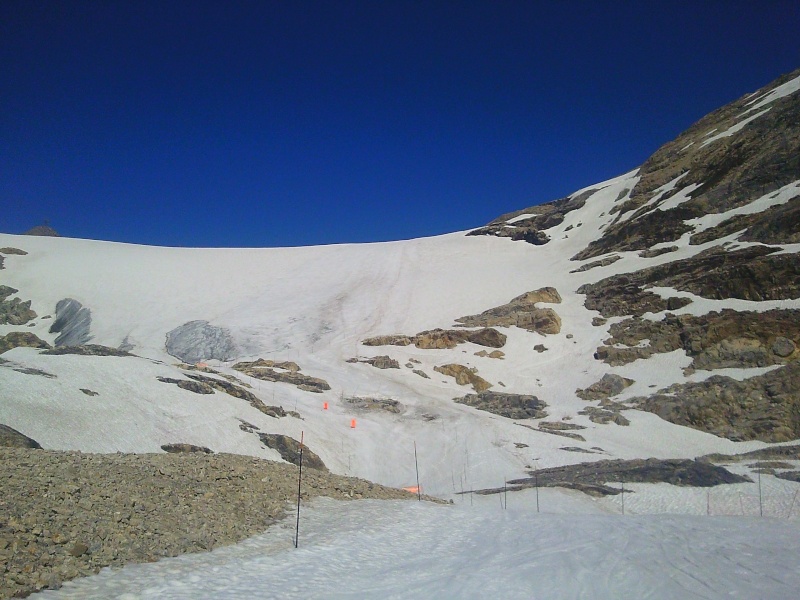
{"x": 726, "y": 193}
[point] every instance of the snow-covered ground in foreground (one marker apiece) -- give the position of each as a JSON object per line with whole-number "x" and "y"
{"x": 406, "y": 549}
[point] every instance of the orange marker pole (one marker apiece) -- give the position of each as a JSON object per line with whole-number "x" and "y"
{"x": 352, "y": 423}
{"x": 324, "y": 406}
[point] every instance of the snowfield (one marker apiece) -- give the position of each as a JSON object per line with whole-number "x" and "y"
{"x": 400, "y": 549}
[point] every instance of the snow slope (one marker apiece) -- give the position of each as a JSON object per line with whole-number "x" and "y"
{"x": 314, "y": 306}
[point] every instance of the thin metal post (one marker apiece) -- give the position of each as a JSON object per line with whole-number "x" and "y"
{"x": 760, "y": 504}
{"x": 416, "y": 466}
{"x": 623, "y": 496}
{"x": 299, "y": 480}
{"x": 536, "y": 479}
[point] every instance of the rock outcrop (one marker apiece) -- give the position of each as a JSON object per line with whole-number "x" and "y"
{"x": 289, "y": 449}
{"x": 72, "y": 323}
{"x": 289, "y": 373}
{"x": 765, "y": 408}
{"x": 609, "y": 385}
{"x": 530, "y": 224}
{"x": 17, "y": 339}
{"x": 375, "y": 404}
{"x": 237, "y": 391}
{"x": 512, "y": 406}
{"x": 87, "y": 350}
{"x": 14, "y": 311}
{"x": 436, "y": 339}
{"x": 11, "y": 438}
{"x": 715, "y": 340}
{"x": 464, "y": 376}
{"x": 379, "y": 362}
{"x": 197, "y": 341}
{"x": 715, "y": 173}
{"x": 42, "y": 230}
{"x": 181, "y": 448}
{"x": 593, "y": 478}
{"x": 521, "y": 312}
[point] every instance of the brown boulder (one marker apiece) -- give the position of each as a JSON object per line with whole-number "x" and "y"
{"x": 464, "y": 376}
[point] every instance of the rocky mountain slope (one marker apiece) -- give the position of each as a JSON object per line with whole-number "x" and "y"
{"x": 653, "y": 315}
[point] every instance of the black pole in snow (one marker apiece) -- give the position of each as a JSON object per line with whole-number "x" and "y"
{"x": 416, "y": 466}
{"x": 299, "y": 480}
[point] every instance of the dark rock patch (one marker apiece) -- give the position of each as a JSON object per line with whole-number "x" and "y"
{"x": 790, "y": 452}
{"x": 753, "y": 273}
{"x": 498, "y": 354}
{"x": 72, "y": 323}
{"x": 765, "y": 408}
{"x": 87, "y": 350}
{"x": 608, "y": 413}
{"x": 289, "y": 374}
{"x": 592, "y": 478}
{"x": 543, "y": 217}
{"x": 89, "y": 392}
{"x": 726, "y": 173}
{"x": 43, "y": 231}
{"x": 441, "y": 339}
{"x": 715, "y": 340}
{"x": 184, "y": 448}
{"x": 375, "y": 404}
{"x": 381, "y": 362}
{"x": 654, "y": 252}
{"x": 520, "y": 312}
{"x": 776, "y": 225}
{"x": 11, "y": 438}
{"x": 197, "y": 341}
{"x": 197, "y": 387}
{"x": 609, "y": 385}
{"x": 560, "y": 426}
{"x": 610, "y": 260}
{"x": 289, "y": 449}
{"x": 16, "y": 251}
{"x": 464, "y": 376}
{"x": 14, "y": 311}
{"x": 17, "y": 339}
{"x": 789, "y": 476}
{"x": 512, "y": 406}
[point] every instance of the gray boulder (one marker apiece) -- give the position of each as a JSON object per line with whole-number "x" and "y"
{"x": 197, "y": 341}
{"x": 72, "y": 322}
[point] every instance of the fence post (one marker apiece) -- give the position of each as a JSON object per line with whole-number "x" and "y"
{"x": 299, "y": 480}
{"x": 416, "y": 466}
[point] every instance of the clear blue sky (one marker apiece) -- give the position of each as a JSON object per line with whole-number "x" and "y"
{"x": 192, "y": 123}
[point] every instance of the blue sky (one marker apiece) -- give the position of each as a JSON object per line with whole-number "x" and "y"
{"x": 296, "y": 123}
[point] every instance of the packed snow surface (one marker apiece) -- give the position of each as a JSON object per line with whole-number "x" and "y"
{"x": 405, "y": 549}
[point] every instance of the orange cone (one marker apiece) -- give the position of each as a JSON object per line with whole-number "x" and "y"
{"x": 324, "y": 406}
{"x": 352, "y": 424}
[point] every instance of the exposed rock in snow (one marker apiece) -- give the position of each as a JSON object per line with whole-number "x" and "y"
{"x": 197, "y": 341}
{"x": 72, "y": 323}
